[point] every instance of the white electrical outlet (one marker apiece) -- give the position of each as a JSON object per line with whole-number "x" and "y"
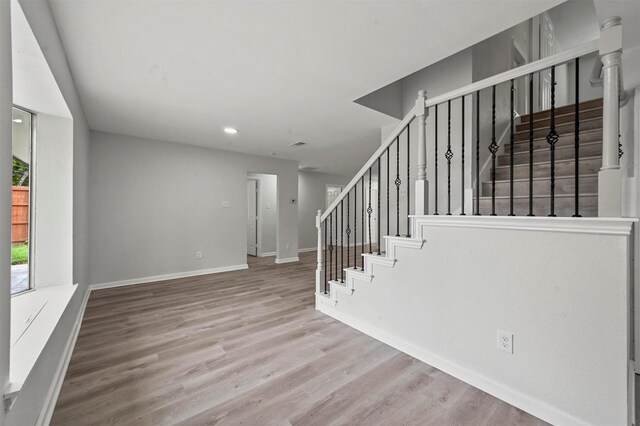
{"x": 288, "y": 245}
{"x": 505, "y": 341}
{"x": 198, "y": 255}
{"x": 225, "y": 204}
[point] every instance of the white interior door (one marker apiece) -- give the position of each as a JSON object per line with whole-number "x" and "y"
{"x": 252, "y": 217}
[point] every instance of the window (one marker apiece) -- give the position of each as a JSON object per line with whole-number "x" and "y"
{"x": 21, "y": 196}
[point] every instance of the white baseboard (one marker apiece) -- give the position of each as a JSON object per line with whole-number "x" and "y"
{"x": 54, "y": 390}
{"x": 287, "y": 260}
{"x": 267, "y": 254}
{"x": 534, "y": 406}
{"x": 156, "y": 278}
{"x": 304, "y": 250}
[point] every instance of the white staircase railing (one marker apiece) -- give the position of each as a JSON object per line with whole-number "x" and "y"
{"x": 359, "y": 195}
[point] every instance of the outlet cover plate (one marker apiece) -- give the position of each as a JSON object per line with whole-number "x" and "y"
{"x": 505, "y": 341}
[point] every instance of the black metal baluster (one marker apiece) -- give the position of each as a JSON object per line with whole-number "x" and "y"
{"x": 493, "y": 148}
{"x": 530, "y": 145}
{"x": 362, "y": 219}
{"x": 552, "y": 138}
{"x": 388, "y": 233}
{"x": 341, "y": 241}
{"x": 336, "y": 250}
{"x": 477, "y": 153}
{"x": 326, "y": 245}
{"x": 331, "y": 246}
{"x": 369, "y": 211}
{"x": 408, "y": 184}
{"x": 511, "y": 141}
{"x": 398, "y": 182}
{"x": 379, "y": 237}
{"x": 436, "y": 160}
{"x": 355, "y": 226}
{"x": 577, "y": 142}
{"x": 448, "y": 155}
{"x": 348, "y": 231}
{"x": 462, "y": 158}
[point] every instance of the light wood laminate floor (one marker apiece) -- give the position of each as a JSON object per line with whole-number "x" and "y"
{"x": 248, "y": 348}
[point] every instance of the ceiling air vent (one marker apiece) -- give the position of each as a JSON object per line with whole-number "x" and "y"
{"x": 299, "y": 143}
{"x": 309, "y": 168}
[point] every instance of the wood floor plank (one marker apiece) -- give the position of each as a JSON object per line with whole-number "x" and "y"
{"x": 248, "y": 347}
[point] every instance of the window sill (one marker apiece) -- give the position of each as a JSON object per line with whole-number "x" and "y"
{"x": 34, "y": 317}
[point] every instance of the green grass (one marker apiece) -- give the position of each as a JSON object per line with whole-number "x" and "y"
{"x": 19, "y": 254}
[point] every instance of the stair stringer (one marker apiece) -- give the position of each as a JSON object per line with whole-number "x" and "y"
{"x": 387, "y": 259}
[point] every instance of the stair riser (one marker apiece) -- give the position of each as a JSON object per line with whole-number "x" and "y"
{"x": 564, "y": 153}
{"x": 588, "y": 185}
{"x": 564, "y": 207}
{"x": 595, "y": 103}
{"x": 568, "y": 139}
{"x": 563, "y": 129}
{"x": 562, "y": 119}
{"x": 565, "y": 168}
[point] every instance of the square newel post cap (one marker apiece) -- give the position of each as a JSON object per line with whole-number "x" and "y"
{"x": 421, "y": 110}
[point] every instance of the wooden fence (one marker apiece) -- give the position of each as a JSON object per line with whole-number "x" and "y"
{"x": 20, "y": 214}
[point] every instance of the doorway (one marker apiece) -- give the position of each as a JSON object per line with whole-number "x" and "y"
{"x": 262, "y": 216}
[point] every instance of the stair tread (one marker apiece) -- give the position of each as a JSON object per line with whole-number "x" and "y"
{"x": 588, "y": 120}
{"x": 525, "y": 142}
{"x": 549, "y": 162}
{"x": 526, "y": 197}
{"x": 568, "y": 114}
{"x": 589, "y": 175}
{"x": 563, "y": 147}
{"x": 561, "y": 114}
{"x": 590, "y": 104}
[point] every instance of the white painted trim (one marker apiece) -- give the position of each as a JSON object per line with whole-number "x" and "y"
{"x": 44, "y": 418}
{"x": 531, "y": 67}
{"x": 305, "y": 250}
{"x": 157, "y": 278}
{"x": 596, "y": 225}
{"x": 287, "y": 260}
{"x": 267, "y": 254}
{"x": 531, "y": 405}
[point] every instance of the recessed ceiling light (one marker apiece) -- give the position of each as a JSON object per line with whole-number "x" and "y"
{"x": 17, "y": 120}
{"x": 230, "y": 130}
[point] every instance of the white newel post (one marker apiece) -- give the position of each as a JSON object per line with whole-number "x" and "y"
{"x": 319, "y": 282}
{"x": 422, "y": 185}
{"x": 610, "y": 177}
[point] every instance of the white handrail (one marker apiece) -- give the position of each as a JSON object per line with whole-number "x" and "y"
{"x": 390, "y": 139}
{"x": 521, "y": 71}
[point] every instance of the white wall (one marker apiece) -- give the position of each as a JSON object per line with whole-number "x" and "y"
{"x": 154, "y": 204}
{"x": 28, "y": 405}
{"x": 6, "y": 104}
{"x": 53, "y": 242}
{"x": 312, "y": 193}
{"x": 267, "y": 213}
{"x": 564, "y": 296}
